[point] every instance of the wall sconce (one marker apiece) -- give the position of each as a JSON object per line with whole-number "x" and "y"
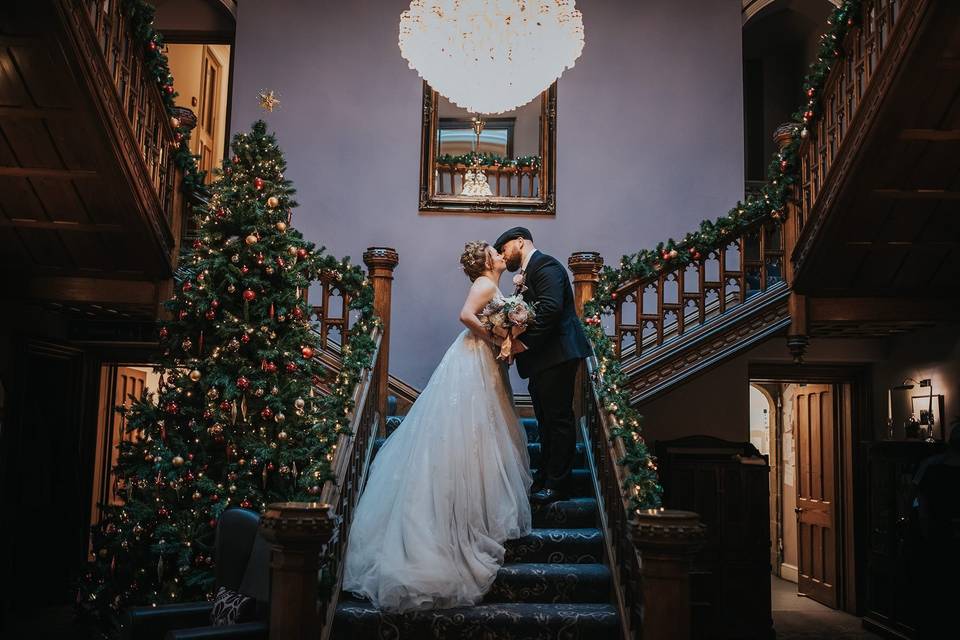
{"x": 926, "y": 418}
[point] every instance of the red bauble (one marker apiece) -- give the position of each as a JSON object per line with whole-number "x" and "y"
{"x": 244, "y": 269}
{"x": 270, "y": 466}
{"x": 197, "y": 244}
{"x": 213, "y": 523}
{"x": 168, "y": 88}
{"x": 152, "y": 45}
{"x": 225, "y": 405}
{"x": 221, "y": 213}
{"x": 267, "y": 413}
{"x": 301, "y": 253}
{"x": 307, "y": 352}
{"x": 297, "y": 313}
{"x": 236, "y": 159}
{"x": 270, "y": 367}
{"x": 810, "y": 92}
{"x": 258, "y": 183}
{"x": 171, "y": 407}
{"x": 214, "y": 304}
{"x": 207, "y": 414}
{"x": 280, "y": 262}
{"x": 245, "y": 503}
{"x": 210, "y": 314}
{"x": 214, "y": 498}
{"x": 163, "y": 512}
{"x": 183, "y": 314}
{"x": 243, "y": 383}
{"x": 249, "y": 295}
{"x": 665, "y": 255}
{"x": 244, "y": 338}
{"x": 291, "y": 366}
{"x": 164, "y": 332}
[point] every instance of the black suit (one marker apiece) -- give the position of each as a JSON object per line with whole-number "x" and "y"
{"x": 555, "y": 346}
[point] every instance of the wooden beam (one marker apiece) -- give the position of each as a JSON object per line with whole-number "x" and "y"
{"x": 91, "y": 290}
{"x": 917, "y": 194}
{"x": 931, "y": 135}
{"x": 41, "y": 172}
{"x": 61, "y": 225}
{"x": 35, "y": 112}
{"x": 880, "y": 309}
{"x": 901, "y": 244}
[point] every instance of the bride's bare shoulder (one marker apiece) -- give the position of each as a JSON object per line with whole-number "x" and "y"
{"x": 484, "y": 287}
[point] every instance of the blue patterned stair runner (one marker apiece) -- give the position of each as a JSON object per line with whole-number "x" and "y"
{"x": 554, "y": 584}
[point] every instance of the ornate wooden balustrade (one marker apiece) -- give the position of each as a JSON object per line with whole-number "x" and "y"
{"x": 505, "y": 181}
{"x": 650, "y": 551}
{"x": 132, "y": 103}
{"x": 847, "y": 85}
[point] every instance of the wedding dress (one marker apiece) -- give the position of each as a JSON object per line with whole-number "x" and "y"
{"x": 449, "y": 486}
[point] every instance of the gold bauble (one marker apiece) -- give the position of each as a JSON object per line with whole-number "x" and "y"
{"x": 251, "y": 239}
{"x": 177, "y": 461}
{"x": 292, "y": 251}
{"x": 299, "y": 403}
{"x": 281, "y": 226}
{"x": 282, "y": 435}
{"x": 279, "y": 417}
{"x": 273, "y": 201}
{"x": 195, "y": 375}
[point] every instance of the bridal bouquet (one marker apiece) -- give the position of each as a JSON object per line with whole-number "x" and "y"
{"x": 507, "y": 318}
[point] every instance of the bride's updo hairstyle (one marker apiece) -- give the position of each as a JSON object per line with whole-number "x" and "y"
{"x": 474, "y": 259}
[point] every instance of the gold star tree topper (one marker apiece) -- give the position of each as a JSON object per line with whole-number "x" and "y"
{"x": 269, "y": 100}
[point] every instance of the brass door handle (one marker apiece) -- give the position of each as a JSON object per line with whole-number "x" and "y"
{"x": 797, "y": 510}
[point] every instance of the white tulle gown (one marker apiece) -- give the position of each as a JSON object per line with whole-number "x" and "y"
{"x": 446, "y": 490}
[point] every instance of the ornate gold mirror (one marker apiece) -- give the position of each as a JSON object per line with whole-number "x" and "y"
{"x": 488, "y": 164}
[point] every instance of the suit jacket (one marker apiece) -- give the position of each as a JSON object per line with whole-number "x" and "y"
{"x": 556, "y": 335}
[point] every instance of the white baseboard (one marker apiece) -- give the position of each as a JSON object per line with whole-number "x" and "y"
{"x": 789, "y": 572}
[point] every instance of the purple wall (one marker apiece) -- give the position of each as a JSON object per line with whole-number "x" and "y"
{"x": 650, "y": 141}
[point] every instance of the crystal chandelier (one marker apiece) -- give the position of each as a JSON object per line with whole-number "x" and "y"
{"x": 490, "y": 56}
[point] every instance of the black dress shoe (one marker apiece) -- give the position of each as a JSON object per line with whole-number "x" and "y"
{"x": 536, "y": 487}
{"x": 546, "y": 496}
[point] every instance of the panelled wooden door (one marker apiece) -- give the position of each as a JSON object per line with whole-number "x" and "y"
{"x": 208, "y": 111}
{"x": 815, "y": 427}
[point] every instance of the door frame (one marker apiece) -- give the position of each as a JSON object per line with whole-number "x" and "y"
{"x": 854, "y": 428}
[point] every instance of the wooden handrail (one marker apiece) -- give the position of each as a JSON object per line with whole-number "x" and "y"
{"x": 844, "y": 91}
{"x": 140, "y": 102}
{"x": 507, "y": 180}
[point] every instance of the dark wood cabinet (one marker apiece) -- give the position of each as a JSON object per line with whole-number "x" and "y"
{"x": 893, "y": 582}
{"x": 727, "y": 484}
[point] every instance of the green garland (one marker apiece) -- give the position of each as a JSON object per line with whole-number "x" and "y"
{"x": 491, "y": 160}
{"x": 769, "y": 204}
{"x": 140, "y": 15}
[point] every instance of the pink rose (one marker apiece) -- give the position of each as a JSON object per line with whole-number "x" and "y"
{"x": 518, "y": 279}
{"x": 519, "y": 314}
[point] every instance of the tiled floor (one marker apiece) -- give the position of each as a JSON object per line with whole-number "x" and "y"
{"x": 799, "y": 618}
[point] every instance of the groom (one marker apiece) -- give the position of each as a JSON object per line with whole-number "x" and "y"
{"x": 548, "y": 353}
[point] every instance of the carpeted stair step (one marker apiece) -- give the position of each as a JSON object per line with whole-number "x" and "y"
{"x": 532, "y": 429}
{"x": 575, "y": 513}
{"x": 581, "y": 483}
{"x": 507, "y": 621}
{"x": 555, "y": 583}
{"x": 570, "y": 546}
{"x": 579, "y": 462}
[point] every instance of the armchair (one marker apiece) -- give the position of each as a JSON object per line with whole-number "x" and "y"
{"x": 242, "y": 564}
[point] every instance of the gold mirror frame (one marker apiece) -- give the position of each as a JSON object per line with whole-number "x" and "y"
{"x": 545, "y": 204}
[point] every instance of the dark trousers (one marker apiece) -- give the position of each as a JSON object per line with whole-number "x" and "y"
{"x": 551, "y": 392}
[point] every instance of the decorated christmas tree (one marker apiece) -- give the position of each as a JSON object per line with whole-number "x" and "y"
{"x": 238, "y": 419}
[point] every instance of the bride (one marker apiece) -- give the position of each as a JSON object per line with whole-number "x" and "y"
{"x": 450, "y": 485}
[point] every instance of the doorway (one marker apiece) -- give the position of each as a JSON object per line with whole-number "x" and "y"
{"x": 806, "y": 426}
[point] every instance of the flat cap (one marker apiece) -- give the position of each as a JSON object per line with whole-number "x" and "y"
{"x": 512, "y": 234}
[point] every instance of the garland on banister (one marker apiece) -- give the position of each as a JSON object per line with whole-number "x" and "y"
{"x": 769, "y": 204}
{"x": 140, "y": 15}
{"x": 491, "y": 160}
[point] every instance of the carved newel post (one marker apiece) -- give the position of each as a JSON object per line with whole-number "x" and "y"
{"x": 298, "y": 533}
{"x": 797, "y": 338}
{"x": 666, "y": 541}
{"x": 585, "y": 266}
{"x": 381, "y": 261}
